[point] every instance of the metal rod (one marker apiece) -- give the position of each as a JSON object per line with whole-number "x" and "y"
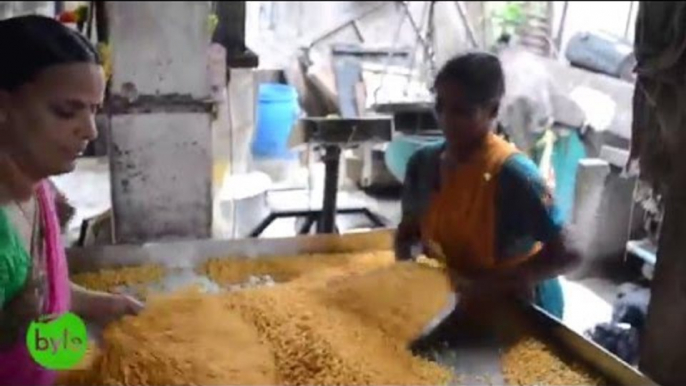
{"x": 59, "y": 7}
{"x": 263, "y": 225}
{"x": 419, "y": 40}
{"x": 560, "y": 31}
{"x": 628, "y": 19}
{"x": 396, "y": 39}
{"x": 358, "y": 31}
{"x": 91, "y": 17}
{"x": 102, "y": 26}
{"x": 332, "y": 159}
{"x": 416, "y": 28}
{"x": 374, "y": 218}
{"x": 312, "y": 216}
{"x": 345, "y": 24}
{"x": 467, "y": 24}
{"x": 305, "y": 228}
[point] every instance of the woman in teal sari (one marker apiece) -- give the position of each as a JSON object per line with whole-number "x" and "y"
{"x": 478, "y": 203}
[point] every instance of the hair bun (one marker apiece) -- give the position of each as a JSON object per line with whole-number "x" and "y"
{"x": 33, "y": 43}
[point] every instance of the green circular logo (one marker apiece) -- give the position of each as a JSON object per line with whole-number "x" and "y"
{"x": 59, "y": 344}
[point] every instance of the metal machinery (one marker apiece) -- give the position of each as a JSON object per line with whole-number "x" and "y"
{"x": 332, "y": 135}
{"x": 603, "y": 53}
{"x": 643, "y": 242}
{"x": 480, "y": 358}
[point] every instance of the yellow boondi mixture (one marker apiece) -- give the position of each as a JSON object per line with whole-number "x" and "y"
{"x": 337, "y": 319}
{"x": 532, "y": 362}
{"x": 109, "y": 279}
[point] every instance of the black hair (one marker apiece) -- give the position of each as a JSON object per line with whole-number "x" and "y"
{"x": 480, "y": 75}
{"x": 30, "y": 44}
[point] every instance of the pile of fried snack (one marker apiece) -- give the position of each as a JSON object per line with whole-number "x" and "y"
{"x": 332, "y": 319}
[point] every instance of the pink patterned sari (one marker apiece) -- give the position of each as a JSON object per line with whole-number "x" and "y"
{"x": 16, "y": 365}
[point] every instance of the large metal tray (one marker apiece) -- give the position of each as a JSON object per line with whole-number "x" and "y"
{"x": 479, "y": 358}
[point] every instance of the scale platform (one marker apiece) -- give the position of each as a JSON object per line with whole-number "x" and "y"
{"x": 332, "y": 134}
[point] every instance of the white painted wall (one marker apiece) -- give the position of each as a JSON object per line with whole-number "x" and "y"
{"x": 276, "y": 29}
{"x": 18, "y": 8}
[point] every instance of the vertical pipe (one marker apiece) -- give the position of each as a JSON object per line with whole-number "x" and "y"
{"x": 628, "y": 20}
{"x": 332, "y": 159}
{"x": 560, "y": 31}
{"x": 484, "y": 24}
{"x": 59, "y": 7}
{"x": 467, "y": 24}
{"x": 101, "y": 22}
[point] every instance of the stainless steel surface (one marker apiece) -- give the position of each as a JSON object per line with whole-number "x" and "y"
{"x": 187, "y": 254}
{"x": 614, "y": 369}
{"x": 469, "y": 349}
{"x": 444, "y": 313}
{"x": 473, "y": 356}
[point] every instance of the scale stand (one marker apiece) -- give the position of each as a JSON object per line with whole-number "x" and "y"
{"x": 333, "y": 134}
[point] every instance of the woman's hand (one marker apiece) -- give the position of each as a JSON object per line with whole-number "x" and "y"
{"x": 111, "y": 307}
{"x": 405, "y": 238}
{"x": 102, "y": 308}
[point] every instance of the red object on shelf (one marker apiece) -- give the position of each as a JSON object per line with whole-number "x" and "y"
{"x": 68, "y": 17}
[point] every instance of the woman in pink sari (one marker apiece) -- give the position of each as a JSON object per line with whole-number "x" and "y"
{"x": 51, "y": 83}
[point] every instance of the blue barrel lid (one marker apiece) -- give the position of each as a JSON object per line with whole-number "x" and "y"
{"x": 277, "y": 92}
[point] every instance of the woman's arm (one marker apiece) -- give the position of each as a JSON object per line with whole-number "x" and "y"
{"x": 17, "y": 314}
{"x": 527, "y": 213}
{"x": 406, "y": 237}
{"x": 408, "y": 233}
{"x": 557, "y": 256}
{"x": 101, "y": 307}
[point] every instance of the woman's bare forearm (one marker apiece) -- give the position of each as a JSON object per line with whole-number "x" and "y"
{"x": 83, "y": 300}
{"x": 403, "y": 250}
{"x": 406, "y": 237}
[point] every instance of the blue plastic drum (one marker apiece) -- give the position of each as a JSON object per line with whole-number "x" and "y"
{"x": 277, "y": 112}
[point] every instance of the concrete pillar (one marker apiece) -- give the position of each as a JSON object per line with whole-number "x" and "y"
{"x": 590, "y": 187}
{"x": 161, "y": 114}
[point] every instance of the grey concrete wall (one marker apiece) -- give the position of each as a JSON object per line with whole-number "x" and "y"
{"x": 161, "y": 47}
{"x": 161, "y": 166}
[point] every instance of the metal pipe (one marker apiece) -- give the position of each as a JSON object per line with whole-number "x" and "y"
{"x": 332, "y": 159}
{"x": 560, "y": 31}
{"x": 628, "y": 19}
{"x": 59, "y": 7}
{"x": 344, "y": 24}
{"x": 467, "y": 25}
